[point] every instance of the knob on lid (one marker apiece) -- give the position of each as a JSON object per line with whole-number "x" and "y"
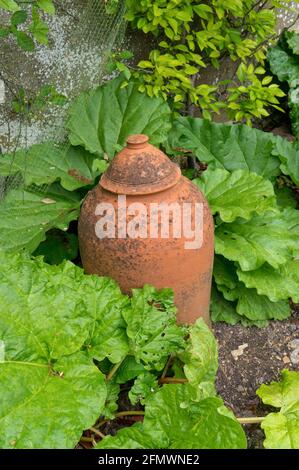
{"x": 140, "y": 168}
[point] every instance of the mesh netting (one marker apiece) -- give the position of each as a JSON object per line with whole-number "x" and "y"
{"x": 82, "y": 35}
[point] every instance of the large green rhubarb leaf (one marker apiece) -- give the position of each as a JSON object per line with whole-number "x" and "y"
{"x": 46, "y": 163}
{"x": 271, "y": 238}
{"x": 236, "y": 194}
{"x": 174, "y": 421}
{"x": 50, "y": 388}
{"x": 26, "y": 216}
{"x": 283, "y": 63}
{"x": 282, "y": 428}
{"x": 230, "y": 147}
{"x": 48, "y": 406}
{"x": 223, "y": 310}
{"x": 151, "y": 327}
{"x": 277, "y": 284}
{"x": 100, "y": 120}
{"x": 250, "y": 308}
{"x": 288, "y": 153}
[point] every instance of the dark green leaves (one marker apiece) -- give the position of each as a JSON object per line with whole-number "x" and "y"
{"x": 284, "y": 63}
{"x": 151, "y": 327}
{"x": 101, "y": 119}
{"x": 50, "y": 389}
{"x": 230, "y": 147}
{"x": 47, "y": 162}
{"x": 223, "y": 189}
{"x": 26, "y": 216}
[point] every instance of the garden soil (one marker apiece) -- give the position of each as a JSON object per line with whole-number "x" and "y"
{"x": 263, "y": 354}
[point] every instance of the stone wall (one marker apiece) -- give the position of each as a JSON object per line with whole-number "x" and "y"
{"x": 80, "y": 36}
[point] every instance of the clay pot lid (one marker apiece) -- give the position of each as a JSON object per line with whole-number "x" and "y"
{"x": 140, "y": 168}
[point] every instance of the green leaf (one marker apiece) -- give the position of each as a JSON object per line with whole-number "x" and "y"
{"x": 50, "y": 389}
{"x": 236, "y": 194}
{"x": 128, "y": 370}
{"x": 285, "y": 198}
{"x": 293, "y": 41}
{"x": 49, "y": 407}
{"x": 201, "y": 359}
{"x": 258, "y": 308}
{"x": 279, "y": 284}
{"x": 19, "y": 17}
{"x": 47, "y": 6}
{"x": 288, "y": 153}
{"x": 58, "y": 246}
{"x": 4, "y": 32}
{"x": 46, "y": 163}
{"x": 174, "y": 421}
{"x": 230, "y": 147}
{"x": 144, "y": 386}
{"x": 270, "y": 238}
{"x": 151, "y": 327}
{"x": 282, "y": 428}
{"x": 9, "y": 5}
{"x": 282, "y": 64}
{"x": 133, "y": 437}
{"x": 24, "y": 41}
{"x": 26, "y": 216}
{"x": 39, "y": 28}
{"x": 111, "y": 404}
{"x": 249, "y": 308}
{"x": 222, "y": 310}
{"x": 294, "y": 113}
{"x": 103, "y": 118}
{"x": 105, "y": 303}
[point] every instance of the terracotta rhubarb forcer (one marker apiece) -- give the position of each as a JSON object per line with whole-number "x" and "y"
{"x": 143, "y": 174}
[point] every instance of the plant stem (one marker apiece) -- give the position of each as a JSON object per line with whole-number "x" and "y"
{"x": 166, "y": 367}
{"x": 172, "y": 380}
{"x": 129, "y": 413}
{"x": 119, "y": 415}
{"x": 86, "y": 439}
{"x": 97, "y": 432}
{"x": 251, "y": 420}
{"x": 113, "y": 370}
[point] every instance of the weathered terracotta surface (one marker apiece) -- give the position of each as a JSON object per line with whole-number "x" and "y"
{"x": 146, "y": 175}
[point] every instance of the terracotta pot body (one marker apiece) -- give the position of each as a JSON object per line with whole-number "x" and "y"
{"x": 144, "y": 175}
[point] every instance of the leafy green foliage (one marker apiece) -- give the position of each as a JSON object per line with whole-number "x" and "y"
{"x": 257, "y": 239}
{"x": 58, "y": 246}
{"x": 50, "y": 388}
{"x": 265, "y": 238}
{"x": 282, "y": 428}
{"x": 194, "y": 35}
{"x": 151, "y": 327}
{"x": 31, "y": 105}
{"x": 174, "y": 421}
{"x": 145, "y": 385}
{"x": 55, "y": 320}
{"x": 284, "y": 63}
{"x": 240, "y": 304}
{"x": 37, "y": 29}
{"x": 45, "y": 163}
{"x": 254, "y": 193}
{"x": 200, "y": 360}
{"x": 230, "y": 147}
{"x": 26, "y": 216}
{"x": 101, "y": 120}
